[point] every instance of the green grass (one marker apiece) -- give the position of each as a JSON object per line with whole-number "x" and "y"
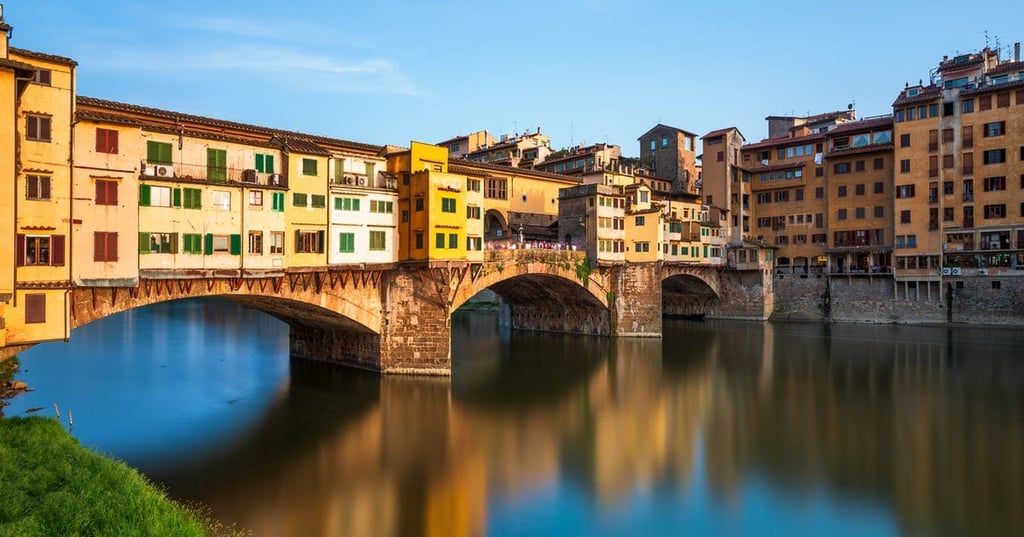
{"x": 51, "y": 485}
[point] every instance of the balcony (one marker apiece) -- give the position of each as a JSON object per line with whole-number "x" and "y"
{"x": 212, "y": 174}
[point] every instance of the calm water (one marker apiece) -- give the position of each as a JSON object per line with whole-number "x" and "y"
{"x": 720, "y": 428}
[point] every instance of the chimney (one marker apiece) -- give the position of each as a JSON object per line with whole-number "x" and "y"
{"x": 1016, "y": 51}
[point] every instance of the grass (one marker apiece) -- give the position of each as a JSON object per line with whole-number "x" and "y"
{"x": 51, "y": 485}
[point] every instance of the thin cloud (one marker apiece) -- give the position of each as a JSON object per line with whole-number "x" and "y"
{"x": 278, "y": 31}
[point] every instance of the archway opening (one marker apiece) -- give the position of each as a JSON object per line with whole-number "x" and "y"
{"x": 687, "y": 297}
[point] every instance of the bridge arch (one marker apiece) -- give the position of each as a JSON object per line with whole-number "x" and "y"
{"x": 689, "y": 290}
{"x": 495, "y": 225}
{"x": 547, "y": 290}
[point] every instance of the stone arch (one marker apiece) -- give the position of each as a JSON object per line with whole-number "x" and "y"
{"x": 495, "y": 225}
{"x": 693, "y": 292}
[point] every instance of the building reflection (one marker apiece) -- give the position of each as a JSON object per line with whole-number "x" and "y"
{"x": 902, "y": 419}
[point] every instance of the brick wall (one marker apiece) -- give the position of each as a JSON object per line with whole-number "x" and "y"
{"x": 636, "y": 308}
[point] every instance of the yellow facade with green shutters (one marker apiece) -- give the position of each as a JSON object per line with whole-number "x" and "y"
{"x": 432, "y": 205}
{"x": 306, "y": 213}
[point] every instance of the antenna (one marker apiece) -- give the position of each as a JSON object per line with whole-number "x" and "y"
{"x": 570, "y": 134}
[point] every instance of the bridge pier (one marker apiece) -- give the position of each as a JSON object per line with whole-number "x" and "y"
{"x": 416, "y": 333}
{"x": 634, "y": 299}
{"x": 328, "y": 344}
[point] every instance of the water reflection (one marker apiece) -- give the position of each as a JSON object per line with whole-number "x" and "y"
{"x": 720, "y": 428}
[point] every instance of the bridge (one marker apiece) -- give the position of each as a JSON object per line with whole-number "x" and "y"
{"x": 396, "y": 318}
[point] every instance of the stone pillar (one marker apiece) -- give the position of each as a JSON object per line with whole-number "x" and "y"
{"x": 416, "y": 333}
{"x": 636, "y": 304}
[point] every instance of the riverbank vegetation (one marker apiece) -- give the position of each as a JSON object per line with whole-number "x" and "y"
{"x": 54, "y": 486}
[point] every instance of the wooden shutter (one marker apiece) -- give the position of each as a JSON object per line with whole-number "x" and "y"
{"x": 143, "y": 243}
{"x": 31, "y": 187}
{"x": 176, "y": 197}
{"x": 144, "y": 195}
{"x": 99, "y": 246}
{"x": 320, "y": 241}
{"x": 44, "y": 188}
{"x": 35, "y": 308}
{"x": 209, "y": 244}
{"x": 101, "y": 193}
{"x": 20, "y": 250}
{"x": 298, "y": 241}
{"x": 44, "y": 128}
{"x": 112, "y": 188}
{"x": 236, "y": 244}
{"x": 32, "y": 128}
{"x": 57, "y": 250}
{"x": 111, "y": 246}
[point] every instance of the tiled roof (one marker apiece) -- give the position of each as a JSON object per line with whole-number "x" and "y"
{"x": 721, "y": 132}
{"x": 1006, "y": 67}
{"x": 784, "y": 141}
{"x": 928, "y": 93}
{"x": 42, "y": 56}
{"x": 662, "y": 125}
{"x": 864, "y": 124}
{"x": 298, "y": 145}
{"x": 106, "y": 118}
{"x": 475, "y": 167}
{"x": 17, "y": 65}
{"x": 255, "y": 130}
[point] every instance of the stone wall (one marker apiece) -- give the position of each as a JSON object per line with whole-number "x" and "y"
{"x": 988, "y": 300}
{"x": 416, "y": 333}
{"x": 636, "y": 308}
{"x": 800, "y": 297}
{"x": 744, "y": 294}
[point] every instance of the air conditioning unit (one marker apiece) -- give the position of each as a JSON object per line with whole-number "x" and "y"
{"x": 955, "y": 271}
{"x": 164, "y": 170}
{"x": 362, "y": 181}
{"x": 148, "y": 170}
{"x": 248, "y": 176}
{"x": 276, "y": 179}
{"x": 947, "y": 271}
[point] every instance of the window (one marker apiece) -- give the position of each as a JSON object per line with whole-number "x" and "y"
{"x": 308, "y": 166}
{"x": 309, "y": 242}
{"x": 106, "y": 141}
{"x": 104, "y": 246}
{"x": 664, "y": 141}
{"x": 1003, "y": 99}
{"x": 453, "y": 241}
{"x": 37, "y": 128}
{"x": 995, "y": 183}
{"x": 474, "y": 243}
{"x": 158, "y": 152}
{"x": 967, "y": 137}
{"x": 819, "y": 192}
{"x": 933, "y": 166}
{"x": 256, "y": 198}
{"x": 841, "y": 215}
{"x": 346, "y": 204}
{"x": 472, "y": 212}
{"x": 192, "y": 243}
{"x": 842, "y": 191}
{"x": 42, "y": 77}
{"x": 223, "y": 244}
{"x": 859, "y": 189}
{"x": 905, "y": 166}
{"x": 37, "y": 187}
{"x": 781, "y": 196}
{"x": 968, "y": 163}
{"x": 904, "y": 217}
{"x": 405, "y": 215}
{"x": 264, "y": 163}
{"x": 947, "y": 162}
{"x": 947, "y": 136}
{"x": 276, "y": 242}
{"x": 318, "y": 201}
{"x": 995, "y": 211}
{"x": 256, "y": 243}
{"x": 985, "y": 102}
{"x": 216, "y": 164}
{"x": 904, "y": 191}
{"x": 799, "y": 194}
{"x": 346, "y": 242}
{"x": 35, "y": 308}
{"x": 947, "y": 188}
{"x": 858, "y": 166}
{"x": 439, "y": 237}
{"x": 381, "y": 206}
{"x": 474, "y": 185}
{"x": 419, "y": 204}
{"x": 378, "y": 240}
{"x": 154, "y": 196}
{"x": 40, "y": 250}
{"x": 158, "y": 243}
{"x": 106, "y": 192}
{"x": 841, "y": 168}
{"x": 994, "y": 156}
{"x": 859, "y": 213}
{"x": 654, "y": 144}
{"x": 879, "y": 187}
{"x": 947, "y": 214}
{"x": 221, "y": 200}
{"x": 948, "y": 109}
{"x": 448, "y": 205}
{"x": 277, "y": 201}
{"x": 720, "y": 156}
{"x": 299, "y": 199}
{"x": 967, "y": 106}
{"x": 194, "y": 199}
{"x": 879, "y": 211}
{"x": 996, "y": 128}
{"x": 879, "y": 163}
{"x": 933, "y": 140}
{"x": 496, "y": 189}
{"x": 419, "y": 241}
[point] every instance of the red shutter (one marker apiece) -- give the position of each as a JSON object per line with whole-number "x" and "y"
{"x": 44, "y": 188}
{"x": 101, "y": 191}
{"x": 44, "y": 124}
{"x": 35, "y": 308}
{"x": 32, "y": 127}
{"x": 112, "y": 142}
{"x": 20, "y": 250}
{"x": 57, "y": 250}
{"x": 112, "y": 246}
{"x": 101, "y": 140}
{"x": 99, "y": 244}
{"x": 31, "y": 187}
{"x": 112, "y": 187}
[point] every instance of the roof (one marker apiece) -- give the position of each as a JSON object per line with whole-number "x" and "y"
{"x": 298, "y": 145}
{"x": 16, "y": 65}
{"x": 42, "y": 56}
{"x": 927, "y": 93}
{"x": 720, "y": 132}
{"x": 863, "y": 124}
{"x": 992, "y": 88}
{"x": 825, "y": 116}
{"x": 106, "y": 118}
{"x": 475, "y": 167}
{"x": 266, "y": 133}
{"x": 1006, "y": 67}
{"x": 773, "y": 142}
{"x": 839, "y": 153}
{"x": 663, "y": 126}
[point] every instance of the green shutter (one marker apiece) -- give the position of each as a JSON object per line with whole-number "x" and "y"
{"x": 236, "y": 244}
{"x": 268, "y": 164}
{"x": 259, "y": 163}
{"x": 355, "y": 204}
{"x": 439, "y": 241}
{"x": 176, "y": 197}
{"x": 174, "y": 243}
{"x": 321, "y": 239}
{"x": 143, "y": 243}
{"x": 216, "y": 164}
{"x": 144, "y": 195}
{"x": 209, "y": 244}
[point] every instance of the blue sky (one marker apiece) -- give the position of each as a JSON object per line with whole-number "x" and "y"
{"x": 584, "y": 71}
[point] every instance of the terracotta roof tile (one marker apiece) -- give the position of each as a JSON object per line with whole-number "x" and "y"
{"x": 863, "y": 124}
{"x": 1006, "y": 67}
{"x": 42, "y": 56}
{"x": 928, "y": 93}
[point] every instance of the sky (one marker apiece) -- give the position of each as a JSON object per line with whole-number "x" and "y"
{"x": 582, "y": 71}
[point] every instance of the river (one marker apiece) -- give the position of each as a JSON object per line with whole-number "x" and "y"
{"x": 719, "y": 428}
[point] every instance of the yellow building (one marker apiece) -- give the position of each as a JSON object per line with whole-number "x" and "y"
{"x": 41, "y": 207}
{"x": 306, "y": 215}
{"x": 644, "y": 232}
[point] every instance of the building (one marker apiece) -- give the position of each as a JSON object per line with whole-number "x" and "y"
{"x": 960, "y": 153}
{"x": 671, "y": 153}
{"x": 519, "y": 150}
{"x": 781, "y": 126}
{"x": 726, "y": 185}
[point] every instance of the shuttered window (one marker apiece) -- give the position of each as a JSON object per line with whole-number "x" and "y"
{"x": 104, "y": 246}
{"x": 37, "y": 128}
{"x": 216, "y": 164}
{"x": 158, "y": 153}
{"x": 106, "y": 192}
{"x": 35, "y": 308}
{"x": 106, "y": 141}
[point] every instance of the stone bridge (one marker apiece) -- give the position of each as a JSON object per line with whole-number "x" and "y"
{"x": 397, "y": 318}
